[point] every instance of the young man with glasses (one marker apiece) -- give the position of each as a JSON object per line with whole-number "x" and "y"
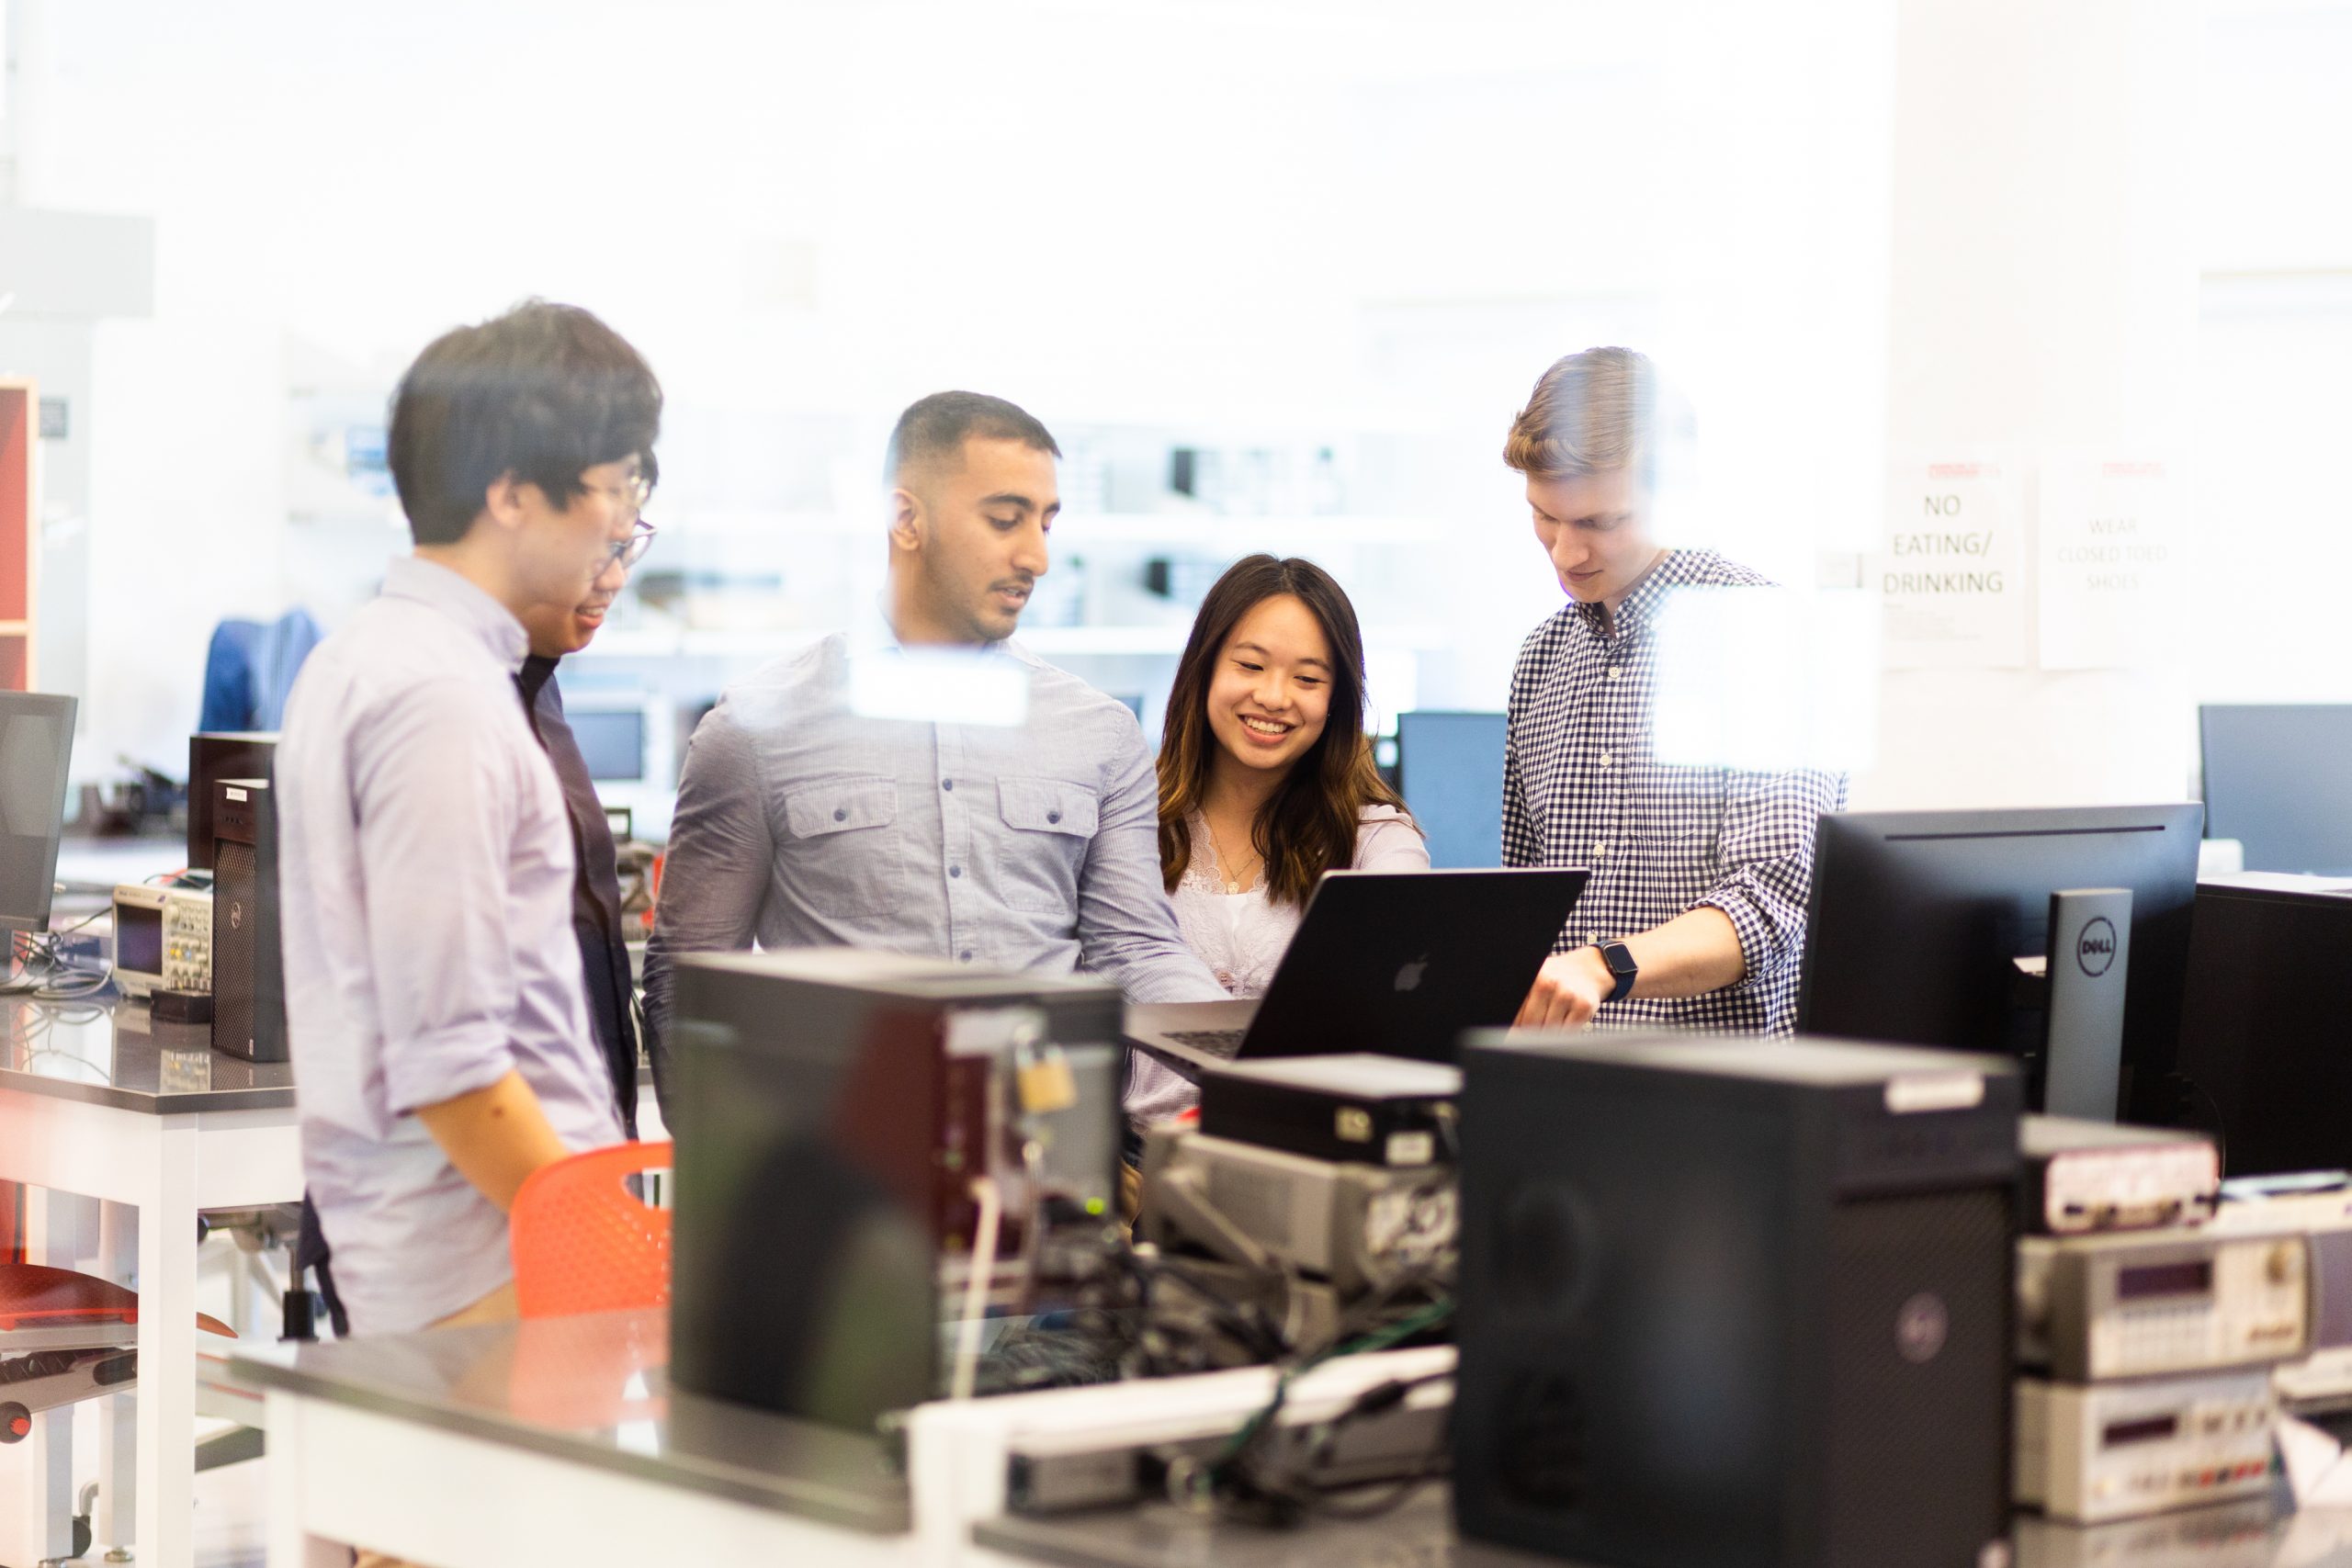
{"x": 428, "y": 871}
{"x": 555, "y": 631}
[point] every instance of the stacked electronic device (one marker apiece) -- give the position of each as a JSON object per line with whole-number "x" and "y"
{"x": 2319, "y": 1204}
{"x": 936, "y": 1143}
{"x": 1324, "y": 1177}
{"x": 1320, "y": 1193}
{"x": 2147, "y": 1335}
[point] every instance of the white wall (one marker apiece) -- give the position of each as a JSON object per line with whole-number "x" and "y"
{"x": 2142, "y": 171}
{"x": 1221, "y": 215}
{"x": 1244, "y": 217}
{"x": 2044, "y": 291}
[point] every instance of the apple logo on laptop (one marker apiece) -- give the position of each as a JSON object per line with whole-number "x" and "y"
{"x": 1409, "y": 978}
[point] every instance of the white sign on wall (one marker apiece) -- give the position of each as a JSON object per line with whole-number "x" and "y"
{"x": 2107, "y": 577}
{"x": 1950, "y": 573}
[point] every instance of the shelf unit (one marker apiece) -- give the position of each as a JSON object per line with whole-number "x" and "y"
{"x": 19, "y": 532}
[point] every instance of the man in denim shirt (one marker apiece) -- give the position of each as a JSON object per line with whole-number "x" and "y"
{"x": 801, "y": 821}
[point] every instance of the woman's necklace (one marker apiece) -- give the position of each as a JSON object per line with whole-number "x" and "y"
{"x": 1224, "y": 867}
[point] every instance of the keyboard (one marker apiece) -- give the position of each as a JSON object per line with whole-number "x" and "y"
{"x": 1221, "y": 1042}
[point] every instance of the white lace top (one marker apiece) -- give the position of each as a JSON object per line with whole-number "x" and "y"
{"x": 1242, "y": 936}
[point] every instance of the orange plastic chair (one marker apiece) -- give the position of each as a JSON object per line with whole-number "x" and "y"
{"x": 583, "y": 1242}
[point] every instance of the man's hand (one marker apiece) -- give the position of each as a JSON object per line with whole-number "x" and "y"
{"x": 1567, "y": 988}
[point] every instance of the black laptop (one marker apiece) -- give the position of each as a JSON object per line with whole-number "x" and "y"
{"x": 1396, "y": 962}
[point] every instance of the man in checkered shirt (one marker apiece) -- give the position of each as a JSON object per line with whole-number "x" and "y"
{"x": 1694, "y": 918}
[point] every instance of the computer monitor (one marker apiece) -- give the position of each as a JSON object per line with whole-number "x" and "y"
{"x": 1917, "y": 918}
{"x": 211, "y": 757}
{"x": 612, "y": 741}
{"x": 2266, "y": 1038}
{"x": 2278, "y": 780}
{"x": 1449, "y": 771}
{"x": 36, "y": 748}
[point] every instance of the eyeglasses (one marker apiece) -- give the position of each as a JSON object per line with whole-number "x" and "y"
{"x": 627, "y": 552}
{"x": 630, "y": 497}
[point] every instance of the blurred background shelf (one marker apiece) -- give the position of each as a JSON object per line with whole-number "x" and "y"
{"x": 1165, "y": 640}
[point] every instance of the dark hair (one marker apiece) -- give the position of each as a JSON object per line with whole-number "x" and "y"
{"x": 543, "y": 392}
{"x": 943, "y": 422}
{"x": 1309, "y": 825}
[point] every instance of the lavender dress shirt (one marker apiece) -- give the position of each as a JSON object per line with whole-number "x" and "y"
{"x": 426, "y": 876}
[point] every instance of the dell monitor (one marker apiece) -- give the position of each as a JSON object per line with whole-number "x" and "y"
{"x": 2278, "y": 780}
{"x": 1449, "y": 771}
{"x": 36, "y": 746}
{"x": 1917, "y": 921}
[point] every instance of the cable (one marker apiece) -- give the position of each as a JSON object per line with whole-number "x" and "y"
{"x": 37, "y": 954}
{"x": 1258, "y": 1340}
{"x": 1033, "y": 1233}
{"x": 1237, "y": 1480}
{"x": 1274, "y": 1496}
{"x": 28, "y": 958}
{"x": 36, "y": 951}
{"x": 94, "y": 915}
{"x": 1222, "y": 1468}
{"x": 2189, "y": 1091}
{"x": 976, "y": 1286}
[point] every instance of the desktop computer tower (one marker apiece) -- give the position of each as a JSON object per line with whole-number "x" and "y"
{"x": 1736, "y": 1303}
{"x": 248, "y": 955}
{"x": 211, "y": 757}
{"x": 832, "y": 1109}
{"x": 2266, "y": 1035}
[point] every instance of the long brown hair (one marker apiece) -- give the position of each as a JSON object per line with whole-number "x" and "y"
{"x": 1309, "y": 825}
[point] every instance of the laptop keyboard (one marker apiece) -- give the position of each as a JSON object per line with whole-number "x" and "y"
{"x": 1222, "y": 1042}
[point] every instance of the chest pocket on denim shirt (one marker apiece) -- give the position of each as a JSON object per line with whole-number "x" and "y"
{"x": 1053, "y": 823}
{"x": 1677, "y": 802}
{"x": 844, "y": 855}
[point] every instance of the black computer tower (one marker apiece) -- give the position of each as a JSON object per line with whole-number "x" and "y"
{"x": 211, "y": 757}
{"x": 248, "y": 951}
{"x": 2266, "y": 1035}
{"x": 1736, "y": 1303}
{"x": 829, "y": 1108}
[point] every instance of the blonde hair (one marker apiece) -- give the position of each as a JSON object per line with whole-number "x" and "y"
{"x": 1591, "y": 412}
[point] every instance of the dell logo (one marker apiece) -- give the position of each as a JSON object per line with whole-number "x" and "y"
{"x": 1921, "y": 1328}
{"x": 1409, "y": 978}
{"x": 2095, "y": 949}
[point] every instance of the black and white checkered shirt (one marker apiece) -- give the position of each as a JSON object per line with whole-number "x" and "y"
{"x": 1580, "y": 787}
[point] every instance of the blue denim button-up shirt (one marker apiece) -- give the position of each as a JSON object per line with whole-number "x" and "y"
{"x": 1031, "y": 846}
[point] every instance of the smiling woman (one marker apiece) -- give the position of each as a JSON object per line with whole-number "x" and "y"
{"x": 1266, "y": 777}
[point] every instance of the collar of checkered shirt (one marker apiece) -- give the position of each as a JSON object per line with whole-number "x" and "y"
{"x": 1679, "y": 568}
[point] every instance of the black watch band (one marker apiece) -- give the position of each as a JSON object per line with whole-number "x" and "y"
{"x": 1620, "y": 959}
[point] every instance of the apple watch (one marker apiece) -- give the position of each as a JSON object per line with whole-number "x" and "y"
{"x": 1620, "y": 959}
